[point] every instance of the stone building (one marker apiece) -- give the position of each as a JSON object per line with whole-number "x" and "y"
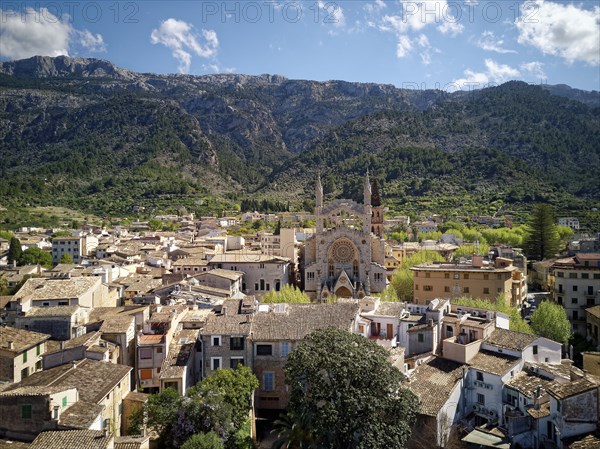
{"x": 345, "y": 257}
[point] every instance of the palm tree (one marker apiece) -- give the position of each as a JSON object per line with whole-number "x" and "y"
{"x": 294, "y": 431}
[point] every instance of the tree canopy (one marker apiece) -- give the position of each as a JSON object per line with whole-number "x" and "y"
{"x": 14, "y": 250}
{"x": 550, "y": 321}
{"x": 346, "y": 392}
{"x": 289, "y": 294}
{"x": 66, "y": 258}
{"x": 516, "y": 322}
{"x": 542, "y": 239}
{"x": 34, "y": 255}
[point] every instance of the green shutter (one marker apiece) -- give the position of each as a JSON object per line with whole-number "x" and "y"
{"x": 64, "y": 401}
{"x": 25, "y": 357}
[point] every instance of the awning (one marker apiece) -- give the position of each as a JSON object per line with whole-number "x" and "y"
{"x": 484, "y": 439}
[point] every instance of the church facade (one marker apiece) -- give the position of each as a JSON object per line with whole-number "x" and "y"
{"x": 346, "y": 255}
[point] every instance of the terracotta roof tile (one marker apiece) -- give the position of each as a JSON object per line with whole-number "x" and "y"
{"x": 21, "y": 339}
{"x": 71, "y": 439}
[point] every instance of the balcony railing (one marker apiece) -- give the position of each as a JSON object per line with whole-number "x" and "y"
{"x": 483, "y": 385}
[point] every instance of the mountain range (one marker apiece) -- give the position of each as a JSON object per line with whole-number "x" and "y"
{"x": 86, "y": 134}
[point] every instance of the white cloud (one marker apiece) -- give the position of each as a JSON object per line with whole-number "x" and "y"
{"x": 180, "y": 37}
{"x": 404, "y": 46}
{"x": 333, "y": 14}
{"x": 568, "y": 31}
{"x": 377, "y": 5}
{"x": 32, "y": 32}
{"x": 216, "y": 68}
{"x": 416, "y": 16}
{"x": 534, "y": 68}
{"x": 494, "y": 73}
{"x": 489, "y": 42}
{"x": 93, "y": 43}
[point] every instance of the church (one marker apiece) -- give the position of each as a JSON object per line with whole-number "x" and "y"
{"x": 346, "y": 255}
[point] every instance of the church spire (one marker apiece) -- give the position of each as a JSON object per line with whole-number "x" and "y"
{"x": 367, "y": 190}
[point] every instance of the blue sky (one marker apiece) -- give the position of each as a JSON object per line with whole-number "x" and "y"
{"x": 419, "y": 44}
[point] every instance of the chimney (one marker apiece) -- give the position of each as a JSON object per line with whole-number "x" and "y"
{"x": 10, "y": 344}
{"x": 73, "y": 364}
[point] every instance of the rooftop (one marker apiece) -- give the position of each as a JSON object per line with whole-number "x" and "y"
{"x": 21, "y": 339}
{"x": 54, "y": 311}
{"x": 118, "y": 324}
{"x": 80, "y": 415}
{"x": 179, "y": 353}
{"x": 507, "y": 339}
{"x": 594, "y": 311}
{"x": 38, "y": 289}
{"x": 93, "y": 379}
{"x": 72, "y": 439}
{"x": 433, "y": 382}
{"x": 493, "y": 362}
{"x": 229, "y": 321}
{"x": 573, "y": 388}
{"x": 299, "y": 320}
{"x": 246, "y": 257}
{"x": 227, "y": 274}
{"x": 526, "y": 383}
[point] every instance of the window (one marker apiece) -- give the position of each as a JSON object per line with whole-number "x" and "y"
{"x": 466, "y": 290}
{"x": 486, "y": 277}
{"x": 480, "y": 399}
{"x": 215, "y": 363}
{"x": 310, "y": 276}
{"x": 574, "y": 288}
{"x": 236, "y": 343}
{"x": 560, "y": 300}
{"x": 261, "y": 266}
{"x": 268, "y": 381}
{"x": 146, "y": 374}
{"x": 486, "y": 291}
{"x": 159, "y": 350}
{"x": 596, "y": 275}
{"x": 25, "y": 357}
{"x": 560, "y": 274}
{"x": 262, "y": 284}
{"x": 427, "y": 274}
{"x": 573, "y": 300}
{"x": 446, "y": 275}
{"x": 479, "y": 376}
{"x": 575, "y": 315}
{"x": 264, "y": 349}
{"x": 26, "y": 411}
{"x": 456, "y": 276}
{"x": 590, "y": 290}
{"x": 145, "y": 353}
{"x": 427, "y": 288}
{"x": 235, "y": 361}
{"x": 560, "y": 288}
{"x": 590, "y": 301}
{"x": 284, "y": 348}
{"x": 585, "y": 275}
{"x": 420, "y": 338}
{"x": 572, "y": 275}
{"x": 64, "y": 401}
{"x": 38, "y": 349}
{"x": 416, "y": 286}
{"x": 446, "y": 289}
{"x": 216, "y": 340}
{"x": 535, "y": 349}
{"x": 466, "y": 276}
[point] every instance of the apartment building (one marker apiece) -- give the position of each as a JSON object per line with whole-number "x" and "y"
{"x": 478, "y": 279}
{"x": 21, "y": 353}
{"x": 576, "y": 286}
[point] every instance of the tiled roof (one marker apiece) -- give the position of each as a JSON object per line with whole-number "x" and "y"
{"x": 388, "y": 309}
{"x": 178, "y": 357}
{"x": 190, "y": 262}
{"x": 55, "y": 311}
{"x": 89, "y": 339}
{"x": 299, "y": 320}
{"x": 542, "y": 412}
{"x": 588, "y": 442}
{"x": 227, "y": 274}
{"x": 42, "y": 288}
{"x": 575, "y": 387}
{"x": 34, "y": 391}
{"x": 246, "y": 257}
{"x": 20, "y": 338}
{"x": 71, "y": 439}
{"x": 131, "y": 442}
{"x": 527, "y": 383}
{"x": 80, "y": 415}
{"x": 508, "y": 339}
{"x": 594, "y": 311}
{"x": 104, "y": 313}
{"x": 117, "y": 324}
{"x": 493, "y": 362}
{"x": 229, "y": 323}
{"x": 433, "y": 381}
{"x": 93, "y": 379}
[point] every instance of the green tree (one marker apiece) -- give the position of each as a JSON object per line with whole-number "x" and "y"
{"x": 401, "y": 286}
{"x": 155, "y": 224}
{"x": 542, "y": 239}
{"x": 295, "y": 432}
{"x": 34, "y": 255}
{"x": 66, "y": 258}
{"x": 352, "y": 396}
{"x": 14, "y": 250}
{"x": 288, "y": 294}
{"x": 550, "y": 321}
{"x": 208, "y": 440}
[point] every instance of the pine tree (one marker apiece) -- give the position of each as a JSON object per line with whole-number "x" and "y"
{"x": 542, "y": 239}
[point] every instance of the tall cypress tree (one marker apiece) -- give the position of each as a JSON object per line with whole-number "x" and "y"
{"x": 542, "y": 240}
{"x": 14, "y": 250}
